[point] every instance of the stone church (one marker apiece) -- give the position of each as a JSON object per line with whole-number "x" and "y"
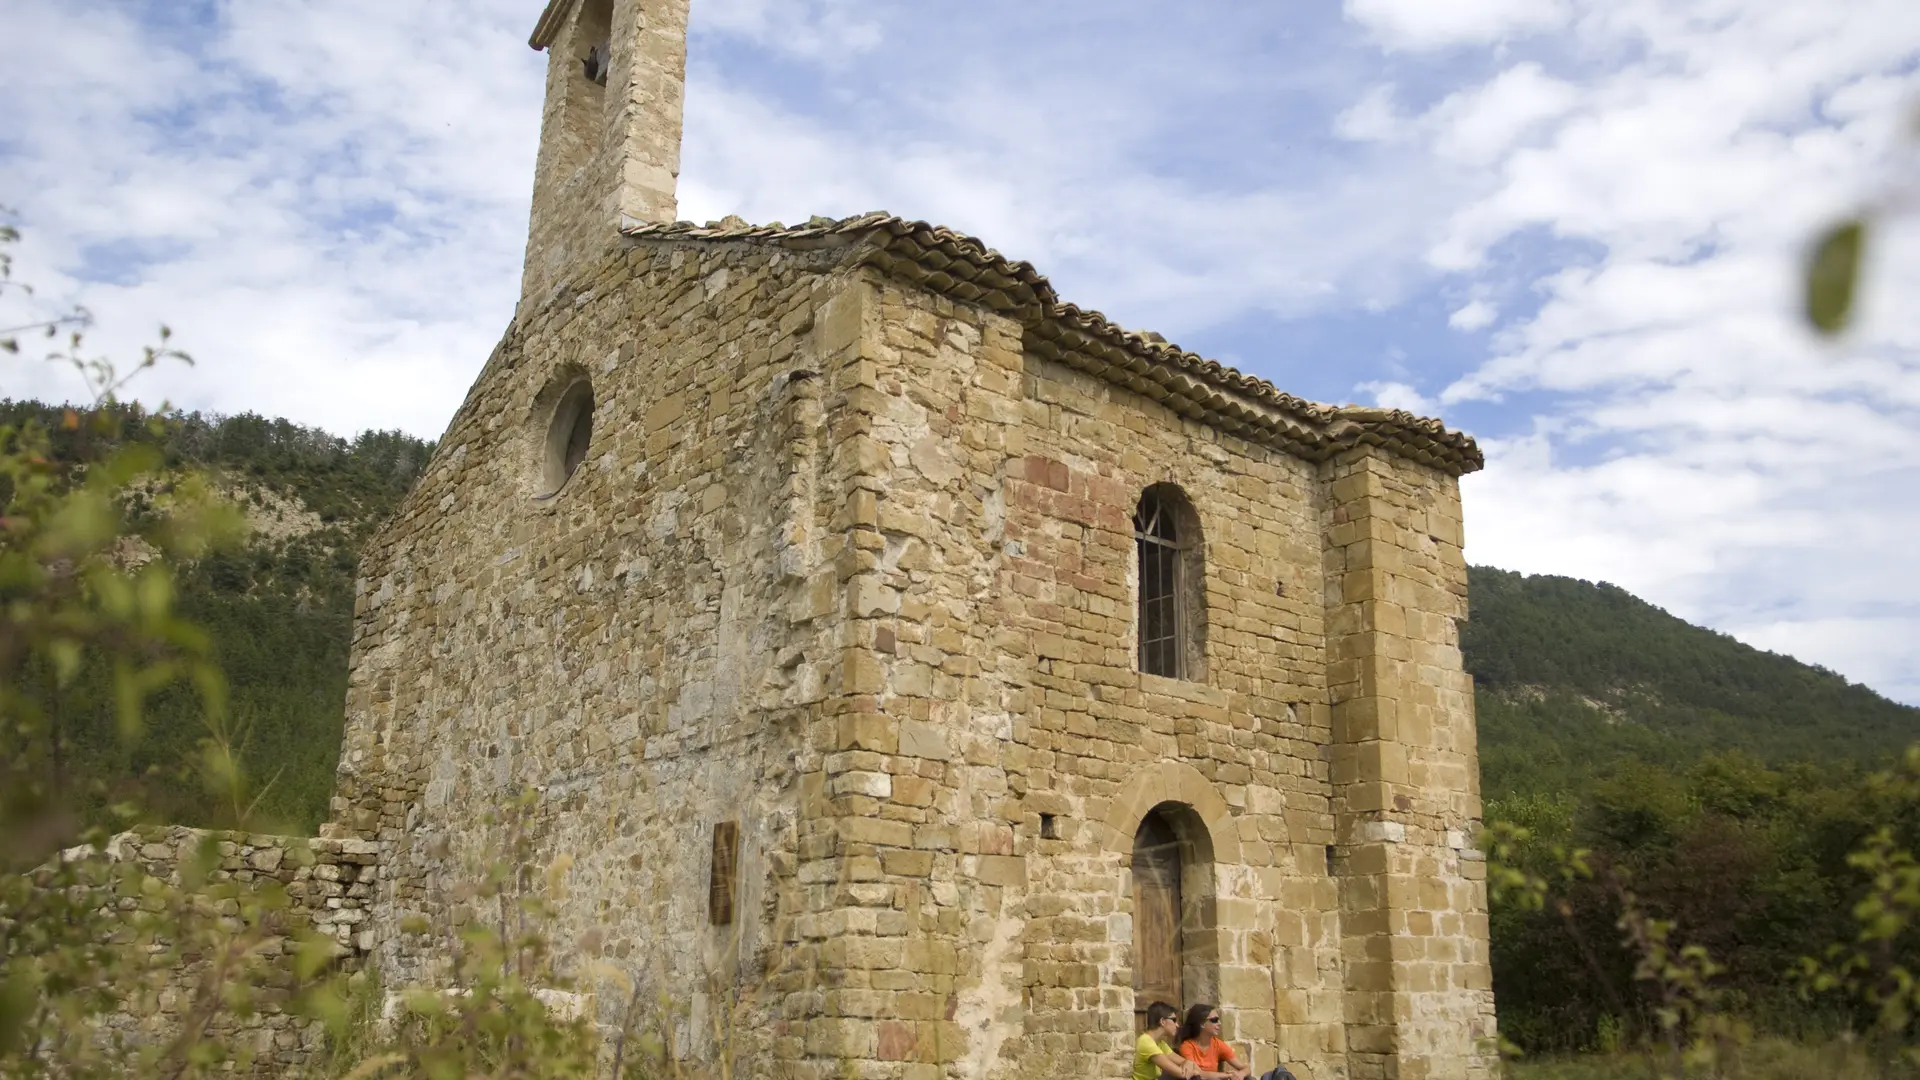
{"x": 915, "y": 674}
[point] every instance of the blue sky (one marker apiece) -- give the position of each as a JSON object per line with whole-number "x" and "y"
{"x": 1567, "y": 226}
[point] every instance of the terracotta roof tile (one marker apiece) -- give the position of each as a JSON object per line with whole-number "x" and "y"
{"x": 552, "y": 18}
{"x": 963, "y": 267}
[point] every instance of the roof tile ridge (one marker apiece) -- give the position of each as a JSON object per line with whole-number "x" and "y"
{"x": 1399, "y": 429}
{"x": 735, "y": 227}
{"x": 1153, "y": 347}
{"x": 938, "y": 250}
{"x": 1373, "y": 414}
{"x": 930, "y": 235}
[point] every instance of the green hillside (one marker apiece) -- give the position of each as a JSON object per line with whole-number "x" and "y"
{"x": 1575, "y": 680}
{"x": 1723, "y": 785}
{"x": 279, "y": 611}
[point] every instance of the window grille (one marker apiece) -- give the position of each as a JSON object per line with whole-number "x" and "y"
{"x": 1161, "y": 615}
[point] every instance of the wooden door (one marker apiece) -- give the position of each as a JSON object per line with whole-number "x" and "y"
{"x": 1156, "y": 917}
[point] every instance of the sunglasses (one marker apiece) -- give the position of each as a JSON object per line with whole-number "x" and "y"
{"x": 1213, "y": 1019}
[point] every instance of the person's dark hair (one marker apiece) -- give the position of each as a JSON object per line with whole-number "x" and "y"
{"x": 1196, "y": 1019}
{"x": 1159, "y": 1011}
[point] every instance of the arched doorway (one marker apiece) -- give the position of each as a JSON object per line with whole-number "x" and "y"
{"x": 1158, "y": 958}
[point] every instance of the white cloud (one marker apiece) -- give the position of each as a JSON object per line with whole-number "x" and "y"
{"x": 328, "y": 202}
{"x": 1153, "y": 248}
{"x": 1397, "y": 395}
{"x": 1479, "y": 126}
{"x": 1374, "y": 118}
{"x": 1881, "y": 645}
{"x": 1696, "y": 445}
{"x": 1434, "y": 24}
{"x": 1473, "y": 315}
{"x": 823, "y": 30}
{"x": 327, "y": 205}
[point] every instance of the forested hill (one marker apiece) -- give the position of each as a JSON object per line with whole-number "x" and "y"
{"x": 1727, "y": 784}
{"x": 279, "y": 612}
{"x": 1574, "y": 679}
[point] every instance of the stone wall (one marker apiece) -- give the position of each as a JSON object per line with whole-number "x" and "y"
{"x": 990, "y": 678}
{"x": 329, "y": 887}
{"x": 1407, "y": 774}
{"x": 850, "y": 563}
{"x": 646, "y": 650}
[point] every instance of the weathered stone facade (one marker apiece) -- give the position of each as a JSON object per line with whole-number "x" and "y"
{"x": 847, "y": 557}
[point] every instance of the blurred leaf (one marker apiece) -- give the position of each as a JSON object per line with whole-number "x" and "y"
{"x": 18, "y": 995}
{"x": 65, "y": 653}
{"x": 374, "y": 1066}
{"x": 1832, "y": 272}
{"x": 311, "y": 955}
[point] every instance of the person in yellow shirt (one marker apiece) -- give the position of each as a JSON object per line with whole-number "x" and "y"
{"x": 1153, "y": 1055}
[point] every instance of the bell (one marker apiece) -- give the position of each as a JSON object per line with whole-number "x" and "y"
{"x": 596, "y": 63}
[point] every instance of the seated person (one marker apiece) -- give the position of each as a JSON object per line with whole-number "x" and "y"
{"x": 1200, "y": 1043}
{"x": 1153, "y": 1056}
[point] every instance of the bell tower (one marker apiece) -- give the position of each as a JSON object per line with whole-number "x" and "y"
{"x": 610, "y": 133}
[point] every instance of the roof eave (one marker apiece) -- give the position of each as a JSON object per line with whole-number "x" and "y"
{"x": 963, "y": 267}
{"x": 551, "y": 20}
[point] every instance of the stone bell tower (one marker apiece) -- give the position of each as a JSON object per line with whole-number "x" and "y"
{"x": 610, "y": 135}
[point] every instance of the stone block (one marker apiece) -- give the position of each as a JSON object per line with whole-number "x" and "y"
{"x": 922, "y": 740}
{"x": 1002, "y": 870}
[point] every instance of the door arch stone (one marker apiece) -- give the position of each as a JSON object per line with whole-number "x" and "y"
{"x": 1179, "y": 783}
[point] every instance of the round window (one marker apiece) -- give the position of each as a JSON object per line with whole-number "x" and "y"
{"x": 567, "y": 437}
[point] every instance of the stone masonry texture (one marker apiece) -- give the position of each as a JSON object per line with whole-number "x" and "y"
{"x": 814, "y": 685}
{"x": 328, "y": 884}
{"x": 850, "y": 562}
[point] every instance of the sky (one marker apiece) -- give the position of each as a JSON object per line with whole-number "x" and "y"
{"x": 1570, "y": 227}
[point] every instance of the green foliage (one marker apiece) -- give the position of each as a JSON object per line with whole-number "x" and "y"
{"x": 1749, "y": 863}
{"x": 90, "y": 944}
{"x": 277, "y": 610}
{"x": 112, "y": 535}
{"x": 1832, "y": 268}
{"x": 1635, "y": 763}
{"x": 1762, "y": 1059}
{"x": 1684, "y": 909}
{"x": 86, "y": 941}
{"x": 1830, "y": 277}
{"x": 82, "y": 627}
{"x": 1878, "y": 968}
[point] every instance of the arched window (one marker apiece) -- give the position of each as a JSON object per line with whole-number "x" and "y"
{"x": 1172, "y": 612}
{"x": 584, "y": 104}
{"x": 563, "y": 413}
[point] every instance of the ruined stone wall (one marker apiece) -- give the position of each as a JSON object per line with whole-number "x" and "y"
{"x": 646, "y": 649}
{"x": 1406, "y": 774}
{"x": 990, "y": 676}
{"x": 328, "y": 886}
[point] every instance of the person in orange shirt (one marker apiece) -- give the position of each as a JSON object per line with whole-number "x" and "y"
{"x": 1200, "y": 1043}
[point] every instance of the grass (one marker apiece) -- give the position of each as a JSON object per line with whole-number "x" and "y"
{"x": 1763, "y": 1059}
